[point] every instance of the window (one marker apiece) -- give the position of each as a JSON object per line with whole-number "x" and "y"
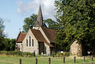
{"x": 32, "y": 42}
{"x": 29, "y": 41}
{"x": 26, "y": 42}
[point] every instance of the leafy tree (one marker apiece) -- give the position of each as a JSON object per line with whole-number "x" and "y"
{"x": 9, "y": 44}
{"x": 76, "y": 18}
{"x": 29, "y": 22}
{"x": 51, "y": 24}
{"x": 6, "y": 44}
{"x": 12, "y": 44}
{"x": 1, "y": 27}
{"x": 1, "y": 33}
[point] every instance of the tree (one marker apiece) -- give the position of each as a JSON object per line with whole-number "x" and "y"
{"x": 1, "y": 27}
{"x": 51, "y": 24}
{"x": 1, "y": 33}
{"x": 9, "y": 44}
{"x": 29, "y": 22}
{"x": 6, "y": 44}
{"x": 76, "y": 18}
{"x": 12, "y": 44}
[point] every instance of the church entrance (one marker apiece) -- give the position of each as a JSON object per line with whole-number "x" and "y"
{"x": 42, "y": 49}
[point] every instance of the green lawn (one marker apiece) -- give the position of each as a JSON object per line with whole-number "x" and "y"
{"x": 42, "y": 60}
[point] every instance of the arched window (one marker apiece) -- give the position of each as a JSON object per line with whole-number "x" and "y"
{"x": 29, "y": 40}
{"x": 32, "y": 42}
{"x": 26, "y": 42}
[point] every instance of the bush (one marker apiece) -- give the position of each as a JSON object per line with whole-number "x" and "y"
{"x": 63, "y": 54}
{"x": 31, "y": 54}
{"x": 59, "y": 54}
{"x": 18, "y": 53}
{"x": 53, "y": 54}
{"x": 67, "y": 54}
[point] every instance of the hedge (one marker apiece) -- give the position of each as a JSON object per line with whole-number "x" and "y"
{"x": 18, "y": 53}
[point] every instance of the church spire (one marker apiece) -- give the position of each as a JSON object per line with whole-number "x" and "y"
{"x": 40, "y": 17}
{"x": 39, "y": 22}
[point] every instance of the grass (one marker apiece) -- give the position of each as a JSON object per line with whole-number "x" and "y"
{"x": 43, "y": 60}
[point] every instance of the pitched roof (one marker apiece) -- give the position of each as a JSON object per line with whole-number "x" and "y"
{"x": 21, "y": 37}
{"x": 40, "y": 37}
{"x": 50, "y": 33}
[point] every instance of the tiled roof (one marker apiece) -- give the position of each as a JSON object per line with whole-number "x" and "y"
{"x": 50, "y": 33}
{"x": 40, "y": 37}
{"x": 21, "y": 37}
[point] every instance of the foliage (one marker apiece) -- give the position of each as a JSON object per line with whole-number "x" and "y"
{"x": 76, "y": 18}
{"x": 51, "y": 24}
{"x": 29, "y": 22}
{"x": 12, "y": 44}
{"x": 5, "y": 43}
{"x": 18, "y": 53}
{"x": 1, "y": 34}
{"x": 1, "y": 28}
{"x": 60, "y": 54}
{"x": 8, "y": 44}
{"x": 66, "y": 53}
{"x": 10, "y": 52}
{"x": 54, "y": 54}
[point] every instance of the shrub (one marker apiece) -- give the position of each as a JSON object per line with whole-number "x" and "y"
{"x": 63, "y": 54}
{"x": 19, "y": 53}
{"x": 66, "y": 54}
{"x": 53, "y": 54}
{"x": 60, "y": 54}
{"x": 31, "y": 54}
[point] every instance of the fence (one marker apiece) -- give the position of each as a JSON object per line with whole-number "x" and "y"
{"x": 49, "y": 60}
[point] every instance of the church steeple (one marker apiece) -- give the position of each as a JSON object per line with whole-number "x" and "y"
{"x": 40, "y": 17}
{"x": 39, "y": 22}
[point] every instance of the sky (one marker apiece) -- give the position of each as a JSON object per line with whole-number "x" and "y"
{"x": 13, "y": 13}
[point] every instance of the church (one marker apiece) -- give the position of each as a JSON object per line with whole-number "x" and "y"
{"x": 39, "y": 39}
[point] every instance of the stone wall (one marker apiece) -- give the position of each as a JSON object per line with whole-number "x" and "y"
{"x": 76, "y": 48}
{"x": 31, "y": 48}
{"x": 36, "y": 45}
{"x": 47, "y": 47}
{"x": 18, "y": 47}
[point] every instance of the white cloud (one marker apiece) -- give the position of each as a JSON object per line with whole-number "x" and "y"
{"x": 49, "y": 7}
{"x": 6, "y": 20}
{"x": 32, "y": 8}
{"x": 25, "y": 8}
